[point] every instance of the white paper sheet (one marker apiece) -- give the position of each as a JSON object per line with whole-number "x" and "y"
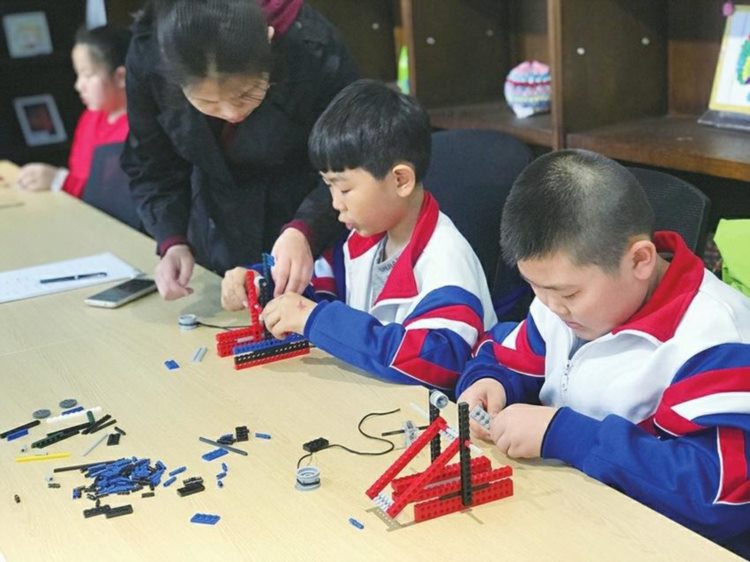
{"x": 25, "y": 283}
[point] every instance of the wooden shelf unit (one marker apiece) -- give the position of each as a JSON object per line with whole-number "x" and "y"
{"x": 629, "y": 77}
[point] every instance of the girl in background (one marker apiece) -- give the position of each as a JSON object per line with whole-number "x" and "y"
{"x": 99, "y": 63}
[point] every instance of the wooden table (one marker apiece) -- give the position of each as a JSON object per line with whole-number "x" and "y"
{"x": 55, "y": 347}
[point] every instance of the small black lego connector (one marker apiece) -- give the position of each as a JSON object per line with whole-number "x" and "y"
{"x": 316, "y": 445}
{"x": 15, "y": 497}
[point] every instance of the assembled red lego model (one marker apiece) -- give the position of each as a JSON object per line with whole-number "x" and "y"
{"x": 254, "y": 345}
{"x": 447, "y": 488}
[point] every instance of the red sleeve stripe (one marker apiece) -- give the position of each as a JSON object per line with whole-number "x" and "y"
{"x": 408, "y": 361}
{"x": 456, "y": 313}
{"x": 677, "y": 397}
{"x": 522, "y": 359}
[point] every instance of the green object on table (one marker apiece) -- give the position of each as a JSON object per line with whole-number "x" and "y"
{"x": 733, "y": 240}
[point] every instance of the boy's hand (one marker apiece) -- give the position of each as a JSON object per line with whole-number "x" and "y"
{"x": 173, "y": 272}
{"x": 233, "y": 291}
{"x": 287, "y": 313}
{"x": 519, "y": 429}
{"x": 491, "y": 395}
{"x": 36, "y": 177}
{"x": 294, "y": 262}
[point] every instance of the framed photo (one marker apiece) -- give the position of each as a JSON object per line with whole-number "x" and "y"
{"x": 27, "y": 34}
{"x": 731, "y": 87}
{"x": 39, "y": 120}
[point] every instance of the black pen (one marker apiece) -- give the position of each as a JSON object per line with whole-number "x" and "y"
{"x": 74, "y": 277}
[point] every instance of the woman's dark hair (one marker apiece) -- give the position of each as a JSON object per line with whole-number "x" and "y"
{"x": 108, "y": 44}
{"x": 370, "y": 126}
{"x": 202, "y": 38}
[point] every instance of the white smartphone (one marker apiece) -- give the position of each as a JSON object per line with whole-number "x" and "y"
{"x": 123, "y": 293}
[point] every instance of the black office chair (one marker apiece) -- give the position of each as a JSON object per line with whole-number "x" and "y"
{"x": 471, "y": 172}
{"x": 108, "y": 187}
{"x": 678, "y": 205}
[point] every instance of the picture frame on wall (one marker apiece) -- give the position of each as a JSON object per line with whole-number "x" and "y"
{"x": 729, "y": 106}
{"x": 39, "y": 120}
{"x": 27, "y": 34}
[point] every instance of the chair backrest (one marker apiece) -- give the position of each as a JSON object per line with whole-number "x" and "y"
{"x": 471, "y": 172}
{"x": 108, "y": 186}
{"x": 678, "y": 205}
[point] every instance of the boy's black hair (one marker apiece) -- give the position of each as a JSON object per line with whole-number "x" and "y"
{"x": 211, "y": 38}
{"x": 578, "y": 202}
{"x": 369, "y": 126}
{"x": 107, "y": 44}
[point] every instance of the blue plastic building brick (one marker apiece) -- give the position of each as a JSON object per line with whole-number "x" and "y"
{"x": 265, "y": 344}
{"x": 224, "y": 467}
{"x": 215, "y": 454}
{"x": 76, "y": 493}
{"x": 177, "y": 471}
{"x": 169, "y": 481}
{"x": 171, "y": 364}
{"x": 262, "y": 436}
{"x": 205, "y": 519}
{"x": 356, "y": 523}
{"x": 219, "y": 483}
{"x": 18, "y": 434}
{"x": 72, "y": 411}
{"x": 221, "y": 475}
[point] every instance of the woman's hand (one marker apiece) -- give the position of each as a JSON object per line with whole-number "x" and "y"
{"x": 293, "y": 266}
{"x": 173, "y": 272}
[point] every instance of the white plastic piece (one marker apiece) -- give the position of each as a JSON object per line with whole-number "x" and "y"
{"x": 438, "y": 399}
{"x": 75, "y": 415}
{"x": 188, "y": 322}
{"x": 308, "y": 478}
{"x": 410, "y": 433}
{"x": 199, "y": 354}
{"x": 479, "y": 415}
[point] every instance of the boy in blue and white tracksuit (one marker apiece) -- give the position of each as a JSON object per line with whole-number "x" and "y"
{"x": 412, "y": 296}
{"x": 425, "y": 321}
{"x": 639, "y": 368}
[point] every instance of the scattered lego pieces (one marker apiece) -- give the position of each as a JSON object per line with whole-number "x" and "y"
{"x": 29, "y": 425}
{"x": 169, "y": 481}
{"x": 148, "y": 494}
{"x": 94, "y": 445}
{"x": 68, "y": 417}
{"x": 188, "y": 322}
{"x": 262, "y": 436}
{"x": 118, "y": 511}
{"x": 479, "y": 415}
{"x": 205, "y": 519}
{"x": 242, "y": 433}
{"x": 199, "y": 354}
{"x": 17, "y": 435}
{"x": 215, "y": 454}
{"x": 171, "y": 364}
{"x": 356, "y": 523}
{"x": 177, "y": 471}
{"x": 192, "y": 488}
{"x": 308, "y": 478}
{"x": 219, "y": 483}
{"x": 120, "y": 431}
{"x": 53, "y": 484}
{"x": 113, "y": 439}
{"x": 224, "y": 467}
{"x": 227, "y": 439}
{"x": 68, "y": 403}
{"x": 72, "y": 411}
{"x": 16, "y": 498}
{"x": 315, "y": 445}
{"x": 41, "y": 414}
{"x": 45, "y": 457}
{"x": 123, "y": 476}
{"x": 227, "y": 447}
{"x": 221, "y": 475}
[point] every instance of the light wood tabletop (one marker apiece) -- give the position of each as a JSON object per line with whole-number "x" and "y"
{"x": 55, "y": 347}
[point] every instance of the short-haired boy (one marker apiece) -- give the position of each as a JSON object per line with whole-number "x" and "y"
{"x": 415, "y": 299}
{"x": 642, "y": 365}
